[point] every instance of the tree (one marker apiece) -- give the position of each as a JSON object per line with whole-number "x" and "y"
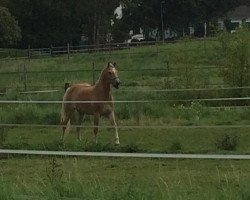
{"x": 139, "y": 14}
{"x": 46, "y": 22}
{"x": 211, "y": 10}
{"x": 235, "y": 49}
{"x": 96, "y": 18}
{"x": 177, "y": 14}
{"x": 10, "y": 32}
{"x": 57, "y": 22}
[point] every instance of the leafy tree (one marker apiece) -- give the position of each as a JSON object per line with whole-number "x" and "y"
{"x": 235, "y": 50}
{"x": 177, "y": 14}
{"x": 120, "y": 30}
{"x": 96, "y": 18}
{"x": 142, "y": 14}
{"x": 210, "y": 10}
{"x": 182, "y": 14}
{"x": 46, "y": 22}
{"x": 10, "y": 32}
{"x": 57, "y": 22}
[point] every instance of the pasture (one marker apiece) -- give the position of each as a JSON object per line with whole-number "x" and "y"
{"x": 181, "y": 72}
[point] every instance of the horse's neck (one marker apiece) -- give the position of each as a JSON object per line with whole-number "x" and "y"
{"x": 104, "y": 89}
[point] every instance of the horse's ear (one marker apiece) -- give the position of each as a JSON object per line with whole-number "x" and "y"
{"x": 114, "y": 64}
{"x": 108, "y": 65}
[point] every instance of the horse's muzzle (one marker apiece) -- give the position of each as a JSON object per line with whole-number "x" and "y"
{"x": 116, "y": 82}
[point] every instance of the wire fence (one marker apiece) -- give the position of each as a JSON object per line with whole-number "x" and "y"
{"x": 133, "y": 90}
{"x": 128, "y": 126}
{"x": 123, "y": 155}
{"x": 121, "y": 101}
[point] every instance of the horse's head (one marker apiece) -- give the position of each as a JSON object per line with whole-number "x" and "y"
{"x": 113, "y": 75}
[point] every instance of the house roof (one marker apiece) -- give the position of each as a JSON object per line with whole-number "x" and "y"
{"x": 240, "y": 12}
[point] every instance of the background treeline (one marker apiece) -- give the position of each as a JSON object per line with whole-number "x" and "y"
{"x": 57, "y": 22}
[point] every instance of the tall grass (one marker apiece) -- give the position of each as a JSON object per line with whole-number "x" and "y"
{"x": 56, "y": 178}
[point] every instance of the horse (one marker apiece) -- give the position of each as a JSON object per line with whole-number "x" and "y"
{"x": 101, "y": 91}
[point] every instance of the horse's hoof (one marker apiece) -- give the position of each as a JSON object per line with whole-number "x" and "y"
{"x": 117, "y": 142}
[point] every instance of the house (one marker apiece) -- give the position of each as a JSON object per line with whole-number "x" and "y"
{"x": 236, "y": 17}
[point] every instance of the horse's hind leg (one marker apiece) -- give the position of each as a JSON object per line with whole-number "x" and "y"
{"x": 64, "y": 123}
{"x": 66, "y": 114}
{"x": 80, "y": 120}
{"x": 96, "y": 123}
{"x": 113, "y": 122}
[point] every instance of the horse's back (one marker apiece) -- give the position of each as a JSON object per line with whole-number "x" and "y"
{"x": 79, "y": 92}
{"x": 87, "y": 92}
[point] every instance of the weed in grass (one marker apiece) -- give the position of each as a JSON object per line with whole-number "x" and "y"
{"x": 98, "y": 147}
{"x": 54, "y": 174}
{"x": 176, "y": 147}
{"x": 227, "y": 142}
{"x": 131, "y": 148}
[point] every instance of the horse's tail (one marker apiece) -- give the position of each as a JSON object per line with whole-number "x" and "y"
{"x": 65, "y": 118}
{"x": 66, "y": 86}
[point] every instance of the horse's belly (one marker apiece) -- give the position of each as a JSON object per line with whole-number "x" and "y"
{"x": 106, "y": 109}
{"x": 90, "y": 109}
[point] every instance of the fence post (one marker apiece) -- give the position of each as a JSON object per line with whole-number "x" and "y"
{"x": 51, "y": 50}
{"x": 68, "y": 50}
{"x": 29, "y": 52}
{"x": 109, "y": 49}
{"x": 129, "y": 50}
{"x": 93, "y": 72}
{"x": 157, "y": 49}
{"x": 25, "y": 77}
{"x": 2, "y": 137}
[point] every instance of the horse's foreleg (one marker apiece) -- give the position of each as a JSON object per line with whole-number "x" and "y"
{"x": 96, "y": 123}
{"x": 80, "y": 119}
{"x": 113, "y": 123}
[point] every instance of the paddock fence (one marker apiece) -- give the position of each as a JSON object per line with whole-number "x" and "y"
{"x": 126, "y": 155}
{"x": 70, "y": 50}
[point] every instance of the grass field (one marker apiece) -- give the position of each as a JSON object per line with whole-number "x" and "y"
{"x": 186, "y": 64}
{"x": 89, "y": 178}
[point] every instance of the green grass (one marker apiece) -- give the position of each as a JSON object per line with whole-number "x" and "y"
{"x": 132, "y": 140}
{"x": 168, "y": 56}
{"x": 121, "y": 178}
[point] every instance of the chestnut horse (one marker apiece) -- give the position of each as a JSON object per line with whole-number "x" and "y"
{"x": 101, "y": 91}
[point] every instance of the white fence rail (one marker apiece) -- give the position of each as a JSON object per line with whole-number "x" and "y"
{"x": 125, "y": 155}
